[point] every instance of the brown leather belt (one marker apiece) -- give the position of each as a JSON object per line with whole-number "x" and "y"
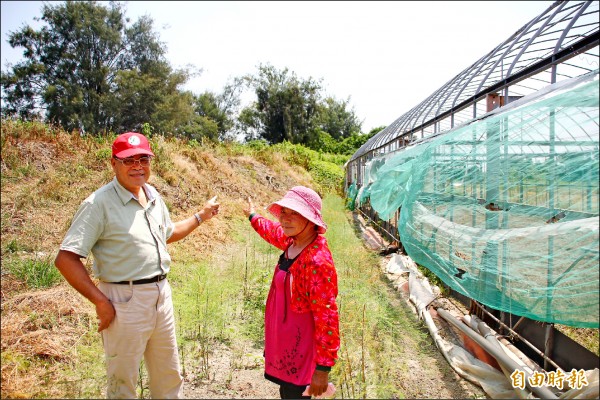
{"x": 156, "y": 278}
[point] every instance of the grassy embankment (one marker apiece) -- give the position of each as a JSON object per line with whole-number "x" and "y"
{"x": 50, "y": 347}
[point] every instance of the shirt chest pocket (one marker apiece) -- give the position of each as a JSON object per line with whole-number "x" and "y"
{"x": 156, "y": 223}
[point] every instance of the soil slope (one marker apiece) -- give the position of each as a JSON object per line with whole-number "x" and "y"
{"x": 47, "y": 173}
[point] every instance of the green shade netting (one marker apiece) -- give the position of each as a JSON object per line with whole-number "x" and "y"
{"x": 371, "y": 174}
{"x": 505, "y": 210}
{"x": 351, "y": 199}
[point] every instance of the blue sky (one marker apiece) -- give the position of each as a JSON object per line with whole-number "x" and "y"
{"x": 386, "y": 56}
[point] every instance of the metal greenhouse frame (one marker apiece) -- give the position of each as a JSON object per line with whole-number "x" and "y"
{"x": 560, "y": 44}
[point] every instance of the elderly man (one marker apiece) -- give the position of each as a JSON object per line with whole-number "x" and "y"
{"x": 126, "y": 226}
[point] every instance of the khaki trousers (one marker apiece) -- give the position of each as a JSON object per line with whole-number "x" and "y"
{"x": 144, "y": 326}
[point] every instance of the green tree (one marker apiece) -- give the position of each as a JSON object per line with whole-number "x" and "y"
{"x": 229, "y": 103}
{"x": 349, "y": 145}
{"x": 206, "y": 107}
{"x": 153, "y": 97}
{"x": 86, "y": 69}
{"x": 200, "y": 127}
{"x": 286, "y": 107}
{"x": 337, "y": 120}
{"x": 322, "y": 141}
{"x": 217, "y": 111}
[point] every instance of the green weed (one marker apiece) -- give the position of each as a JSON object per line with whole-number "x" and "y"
{"x": 13, "y": 246}
{"x": 35, "y": 273}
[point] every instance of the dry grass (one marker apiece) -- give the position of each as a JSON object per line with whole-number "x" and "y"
{"x": 588, "y": 338}
{"x": 48, "y": 334}
{"x": 45, "y": 323}
{"x": 46, "y": 173}
{"x": 40, "y": 334}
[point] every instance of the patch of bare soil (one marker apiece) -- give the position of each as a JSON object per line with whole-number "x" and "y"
{"x": 236, "y": 370}
{"x": 231, "y": 373}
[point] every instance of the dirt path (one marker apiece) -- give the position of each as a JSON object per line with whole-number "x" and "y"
{"x": 230, "y": 376}
{"x": 235, "y": 370}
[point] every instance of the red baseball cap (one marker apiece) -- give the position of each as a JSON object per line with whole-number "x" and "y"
{"x": 130, "y": 144}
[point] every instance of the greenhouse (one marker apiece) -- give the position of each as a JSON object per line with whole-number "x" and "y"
{"x": 491, "y": 182}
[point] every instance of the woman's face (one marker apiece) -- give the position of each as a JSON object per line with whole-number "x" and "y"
{"x": 292, "y": 222}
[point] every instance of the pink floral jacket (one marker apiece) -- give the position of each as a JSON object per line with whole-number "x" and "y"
{"x": 314, "y": 286}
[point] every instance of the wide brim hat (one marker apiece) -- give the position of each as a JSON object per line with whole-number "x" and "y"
{"x": 131, "y": 144}
{"x": 305, "y": 202}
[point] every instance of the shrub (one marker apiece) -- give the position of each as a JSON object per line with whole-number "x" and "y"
{"x": 328, "y": 175}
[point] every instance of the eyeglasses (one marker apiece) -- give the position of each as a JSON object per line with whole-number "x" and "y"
{"x": 130, "y": 161}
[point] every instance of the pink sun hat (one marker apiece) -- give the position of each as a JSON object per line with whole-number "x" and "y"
{"x": 304, "y": 201}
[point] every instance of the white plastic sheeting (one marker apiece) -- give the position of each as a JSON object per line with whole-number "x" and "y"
{"x": 402, "y": 270}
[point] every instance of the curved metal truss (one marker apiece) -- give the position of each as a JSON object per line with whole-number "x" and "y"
{"x": 560, "y": 43}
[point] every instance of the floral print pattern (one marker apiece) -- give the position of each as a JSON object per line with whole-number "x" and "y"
{"x": 314, "y": 286}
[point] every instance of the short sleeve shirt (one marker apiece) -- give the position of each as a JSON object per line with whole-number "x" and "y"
{"x": 128, "y": 241}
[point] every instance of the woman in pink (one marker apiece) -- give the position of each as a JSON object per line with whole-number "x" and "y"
{"x": 301, "y": 316}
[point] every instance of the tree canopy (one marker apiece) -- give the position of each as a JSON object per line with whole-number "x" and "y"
{"x": 86, "y": 69}
{"x": 285, "y": 107}
{"x": 292, "y": 109}
{"x": 89, "y": 69}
